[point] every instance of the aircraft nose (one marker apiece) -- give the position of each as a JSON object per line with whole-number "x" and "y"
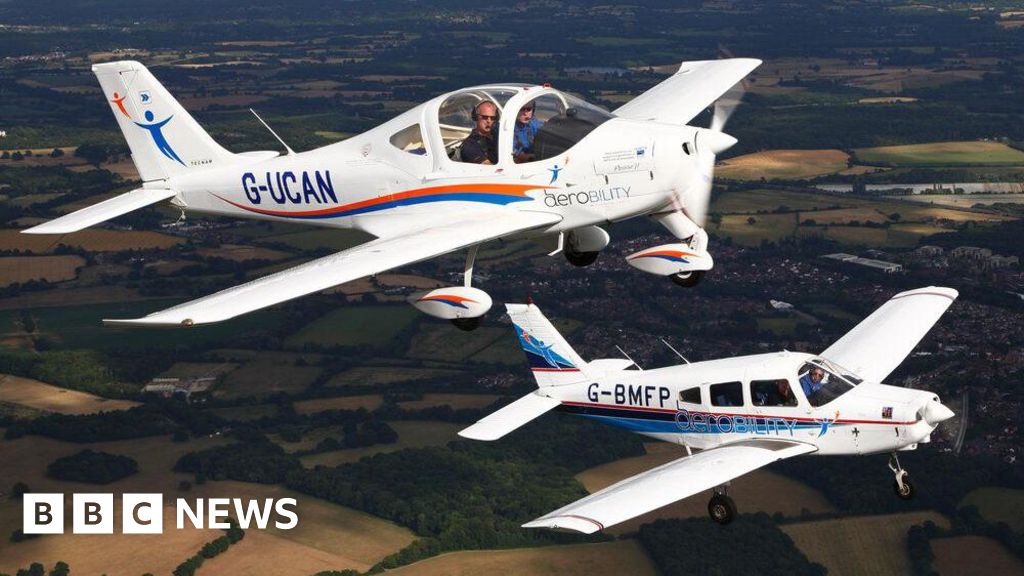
{"x": 716, "y": 141}
{"x": 934, "y": 412}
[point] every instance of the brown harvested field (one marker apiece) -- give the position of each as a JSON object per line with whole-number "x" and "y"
{"x": 456, "y": 401}
{"x": 366, "y": 402}
{"x": 264, "y": 377}
{"x": 94, "y": 240}
{"x": 863, "y": 545}
{"x": 760, "y": 491}
{"x": 999, "y": 505}
{"x": 239, "y": 253}
{"x": 40, "y": 396}
{"x": 21, "y": 269}
{"x": 971, "y": 555}
{"x": 606, "y": 558}
{"x": 783, "y": 164}
{"x": 327, "y": 535}
{"x": 411, "y": 434}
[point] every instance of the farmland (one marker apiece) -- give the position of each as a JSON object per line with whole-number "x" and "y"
{"x": 783, "y": 165}
{"x": 969, "y": 555}
{"x": 21, "y": 269}
{"x": 411, "y": 434}
{"x": 942, "y": 154}
{"x": 869, "y": 545}
{"x": 41, "y": 396}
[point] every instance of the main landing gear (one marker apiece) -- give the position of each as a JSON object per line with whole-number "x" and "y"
{"x": 688, "y": 279}
{"x": 721, "y": 508}
{"x": 901, "y": 485}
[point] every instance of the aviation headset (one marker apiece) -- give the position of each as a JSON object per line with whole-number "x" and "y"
{"x": 476, "y": 111}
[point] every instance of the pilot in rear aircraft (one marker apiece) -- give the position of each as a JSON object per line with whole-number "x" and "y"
{"x": 481, "y": 146}
{"x": 812, "y": 382}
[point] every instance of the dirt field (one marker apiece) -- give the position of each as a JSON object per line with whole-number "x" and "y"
{"x": 760, "y": 491}
{"x": 611, "y": 558}
{"x": 971, "y": 555}
{"x": 456, "y": 401}
{"x": 999, "y": 505}
{"x": 40, "y": 396}
{"x": 943, "y": 154}
{"x": 411, "y": 434}
{"x": 94, "y": 240}
{"x": 366, "y": 402}
{"x": 20, "y": 269}
{"x": 868, "y": 545}
{"x": 783, "y": 164}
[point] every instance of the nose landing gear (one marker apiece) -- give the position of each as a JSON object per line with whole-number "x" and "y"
{"x": 901, "y": 485}
{"x": 721, "y": 508}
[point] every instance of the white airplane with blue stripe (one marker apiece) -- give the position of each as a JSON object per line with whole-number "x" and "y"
{"x": 415, "y": 185}
{"x": 741, "y": 413}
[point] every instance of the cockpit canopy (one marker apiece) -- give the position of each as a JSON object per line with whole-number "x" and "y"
{"x": 822, "y": 381}
{"x": 544, "y": 124}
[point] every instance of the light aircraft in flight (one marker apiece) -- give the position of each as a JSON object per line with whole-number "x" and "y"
{"x": 742, "y": 413}
{"x": 405, "y": 182}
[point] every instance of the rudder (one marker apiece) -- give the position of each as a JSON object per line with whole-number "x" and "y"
{"x": 551, "y": 359}
{"x": 164, "y": 138}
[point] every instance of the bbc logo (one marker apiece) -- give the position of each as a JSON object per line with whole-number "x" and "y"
{"x": 92, "y": 513}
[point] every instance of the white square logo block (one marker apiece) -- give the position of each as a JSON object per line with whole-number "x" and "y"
{"x": 42, "y": 513}
{"x": 142, "y": 513}
{"x": 92, "y": 514}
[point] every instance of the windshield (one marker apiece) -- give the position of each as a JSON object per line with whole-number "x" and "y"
{"x": 823, "y": 381}
{"x": 550, "y": 124}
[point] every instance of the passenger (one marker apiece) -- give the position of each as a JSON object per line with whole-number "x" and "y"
{"x": 812, "y": 381}
{"x": 481, "y": 146}
{"x": 786, "y": 397}
{"x": 524, "y": 133}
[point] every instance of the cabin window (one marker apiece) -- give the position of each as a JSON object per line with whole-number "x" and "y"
{"x": 823, "y": 382}
{"x": 727, "y": 394}
{"x": 409, "y": 139}
{"x": 772, "y": 393}
{"x": 691, "y": 395}
{"x": 552, "y": 123}
{"x": 458, "y": 115}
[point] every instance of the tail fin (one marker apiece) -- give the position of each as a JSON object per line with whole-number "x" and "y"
{"x": 164, "y": 139}
{"x": 551, "y": 359}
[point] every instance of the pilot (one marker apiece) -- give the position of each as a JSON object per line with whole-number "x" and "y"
{"x": 481, "y": 146}
{"x": 812, "y": 381}
{"x": 523, "y": 134}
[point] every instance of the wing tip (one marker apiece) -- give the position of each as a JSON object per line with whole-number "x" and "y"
{"x": 478, "y": 434}
{"x": 573, "y": 523}
{"x": 149, "y": 322}
{"x": 943, "y": 291}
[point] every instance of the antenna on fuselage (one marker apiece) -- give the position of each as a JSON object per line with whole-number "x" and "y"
{"x": 271, "y": 130}
{"x": 665, "y": 342}
{"x": 623, "y": 352}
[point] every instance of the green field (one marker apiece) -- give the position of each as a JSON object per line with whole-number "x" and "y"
{"x": 265, "y": 377}
{"x": 999, "y": 505}
{"x": 355, "y": 326}
{"x": 436, "y": 341}
{"x": 383, "y": 375}
{"x": 751, "y": 201}
{"x": 411, "y": 434}
{"x": 942, "y": 154}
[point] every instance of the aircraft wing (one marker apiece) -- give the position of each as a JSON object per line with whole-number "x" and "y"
{"x": 876, "y": 346}
{"x": 668, "y": 483}
{"x": 689, "y": 91}
{"x": 112, "y": 208}
{"x": 363, "y": 260}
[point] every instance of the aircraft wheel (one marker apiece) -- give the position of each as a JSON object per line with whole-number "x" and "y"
{"x": 688, "y": 279}
{"x": 722, "y": 509}
{"x": 581, "y": 259}
{"x": 467, "y": 324}
{"x": 907, "y": 491}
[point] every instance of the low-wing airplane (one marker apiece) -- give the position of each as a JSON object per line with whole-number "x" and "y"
{"x": 406, "y": 183}
{"x": 741, "y": 413}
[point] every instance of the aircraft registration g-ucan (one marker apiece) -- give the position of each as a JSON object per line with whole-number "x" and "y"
{"x": 558, "y": 169}
{"x": 742, "y": 413}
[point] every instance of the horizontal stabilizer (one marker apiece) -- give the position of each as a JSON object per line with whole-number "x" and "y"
{"x": 876, "y": 346}
{"x": 116, "y": 206}
{"x": 510, "y": 417}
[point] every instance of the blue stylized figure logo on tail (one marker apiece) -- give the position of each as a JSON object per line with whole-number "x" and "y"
{"x": 540, "y": 355}
{"x": 155, "y": 130}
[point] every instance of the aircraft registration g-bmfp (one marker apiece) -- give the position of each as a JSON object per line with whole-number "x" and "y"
{"x": 742, "y": 413}
{"x": 405, "y": 182}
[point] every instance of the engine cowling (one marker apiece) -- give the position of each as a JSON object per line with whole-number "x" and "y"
{"x": 452, "y": 303}
{"x": 669, "y": 259}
